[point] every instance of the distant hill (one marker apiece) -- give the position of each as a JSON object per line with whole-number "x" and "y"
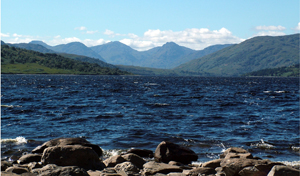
{"x": 22, "y": 61}
{"x": 87, "y": 59}
{"x": 251, "y": 55}
{"x": 119, "y": 53}
{"x": 34, "y": 47}
{"x": 71, "y": 48}
{"x": 77, "y": 48}
{"x": 200, "y": 53}
{"x": 167, "y": 56}
{"x": 37, "y": 42}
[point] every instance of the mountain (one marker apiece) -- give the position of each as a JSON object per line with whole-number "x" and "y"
{"x": 166, "y": 56}
{"x": 34, "y": 47}
{"x": 200, "y": 53}
{"x": 251, "y": 55}
{"x": 78, "y": 49}
{"x": 37, "y": 42}
{"x": 118, "y": 53}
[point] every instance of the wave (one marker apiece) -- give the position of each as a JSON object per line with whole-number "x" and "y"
{"x": 263, "y": 145}
{"x": 17, "y": 140}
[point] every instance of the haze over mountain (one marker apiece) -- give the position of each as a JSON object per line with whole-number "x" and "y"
{"x": 167, "y": 56}
{"x": 251, "y": 55}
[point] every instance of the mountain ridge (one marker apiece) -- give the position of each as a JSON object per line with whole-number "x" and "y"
{"x": 251, "y": 55}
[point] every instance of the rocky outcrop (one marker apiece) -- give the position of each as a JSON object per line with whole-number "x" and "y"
{"x": 152, "y": 168}
{"x": 72, "y": 155}
{"x": 142, "y": 152}
{"x": 68, "y": 141}
{"x": 54, "y": 170}
{"x": 30, "y": 158}
{"x": 283, "y": 171}
{"x": 65, "y": 157}
{"x": 168, "y": 151}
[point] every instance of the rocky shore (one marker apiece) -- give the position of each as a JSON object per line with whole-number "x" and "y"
{"x": 78, "y": 157}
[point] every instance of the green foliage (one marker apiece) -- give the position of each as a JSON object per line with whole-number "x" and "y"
{"x": 291, "y": 71}
{"x": 158, "y": 72}
{"x": 13, "y": 59}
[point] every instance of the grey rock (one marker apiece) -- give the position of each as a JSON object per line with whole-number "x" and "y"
{"x": 72, "y": 155}
{"x": 168, "y": 151}
{"x": 153, "y": 167}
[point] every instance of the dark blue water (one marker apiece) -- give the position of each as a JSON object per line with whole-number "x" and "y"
{"x": 121, "y": 112}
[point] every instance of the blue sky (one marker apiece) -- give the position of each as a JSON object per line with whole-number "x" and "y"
{"x": 144, "y": 24}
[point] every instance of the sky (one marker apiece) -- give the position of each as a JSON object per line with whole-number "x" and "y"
{"x": 144, "y": 24}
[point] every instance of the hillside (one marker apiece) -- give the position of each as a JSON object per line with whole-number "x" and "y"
{"x": 76, "y": 48}
{"x": 22, "y": 61}
{"x": 290, "y": 71}
{"x": 251, "y": 55}
{"x": 33, "y": 47}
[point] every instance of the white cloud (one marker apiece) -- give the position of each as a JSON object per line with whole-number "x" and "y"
{"x": 81, "y": 28}
{"x": 112, "y": 33}
{"x": 91, "y": 32}
{"x": 297, "y": 28}
{"x": 16, "y": 35}
{"x": 4, "y": 35}
{"x": 270, "y": 28}
{"x": 192, "y": 38}
{"x": 109, "y": 32}
{"x": 270, "y": 33}
{"x": 90, "y": 42}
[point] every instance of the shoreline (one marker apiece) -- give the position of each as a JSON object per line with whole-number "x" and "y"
{"x": 77, "y": 156}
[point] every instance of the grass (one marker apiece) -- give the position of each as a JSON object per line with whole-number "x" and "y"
{"x": 32, "y": 68}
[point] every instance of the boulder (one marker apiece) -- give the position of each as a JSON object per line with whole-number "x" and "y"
{"x": 201, "y": 170}
{"x": 5, "y": 165}
{"x": 30, "y": 158}
{"x": 239, "y": 155}
{"x": 113, "y": 161}
{"x": 168, "y": 151}
{"x": 234, "y": 150}
{"x": 141, "y": 152}
{"x": 126, "y": 167}
{"x": 134, "y": 159}
{"x": 54, "y": 170}
{"x": 72, "y": 155}
{"x": 16, "y": 170}
{"x": 152, "y": 168}
{"x": 67, "y": 141}
{"x": 212, "y": 164}
{"x": 284, "y": 171}
{"x": 233, "y": 166}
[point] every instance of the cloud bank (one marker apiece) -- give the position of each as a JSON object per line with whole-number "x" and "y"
{"x": 270, "y": 30}
{"x": 193, "y": 38}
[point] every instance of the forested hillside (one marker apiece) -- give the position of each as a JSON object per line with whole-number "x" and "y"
{"x": 17, "y": 60}
{"x": 251, "y": 55}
